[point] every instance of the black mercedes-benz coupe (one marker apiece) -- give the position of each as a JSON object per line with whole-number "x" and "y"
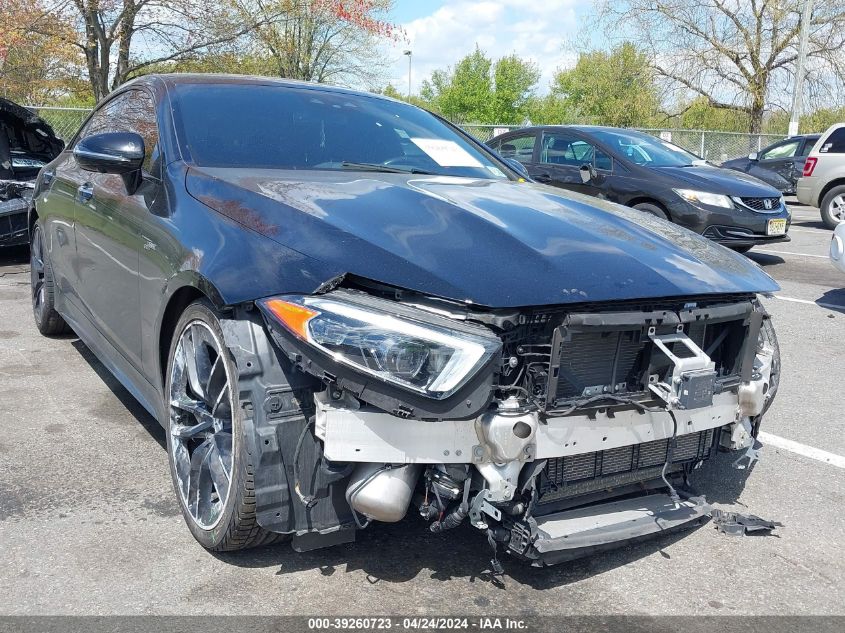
{"x": 654, "y": 176}
{"x": 340, "y": 307}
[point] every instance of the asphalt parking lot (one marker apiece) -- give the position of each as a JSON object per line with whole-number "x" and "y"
{"x": 89, "y": 523}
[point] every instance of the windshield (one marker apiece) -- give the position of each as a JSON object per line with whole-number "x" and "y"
{"x": 646, "y": 150}
{"x": 282, "y": 127}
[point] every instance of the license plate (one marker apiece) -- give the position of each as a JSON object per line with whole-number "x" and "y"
{"x": 776, "y": 226}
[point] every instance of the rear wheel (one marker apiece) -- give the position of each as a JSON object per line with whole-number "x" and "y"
{"x": 47, "y": 320}
{"x": 833, "y": 207}
{"x": 653, "y": 209}
{"x": 211, "y": 469}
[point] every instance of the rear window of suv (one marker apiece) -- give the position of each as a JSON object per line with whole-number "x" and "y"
{"x": 835, "y": 143}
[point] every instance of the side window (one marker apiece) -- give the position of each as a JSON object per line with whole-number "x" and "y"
{"x": 808, "y": 145}
{"x": 784, "y": 150}
{"x": 132, "y": 111}
{"x": 560, "y": 148}
{"x": 519, "y": 147}
{"x": 835, "y": 143}
{"x": 102, "y": 120}
{"x": 137, "y": 114}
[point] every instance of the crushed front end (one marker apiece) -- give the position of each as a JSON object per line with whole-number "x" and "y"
{"x": 27, "y": 143}
{"x": 558, "y": 431}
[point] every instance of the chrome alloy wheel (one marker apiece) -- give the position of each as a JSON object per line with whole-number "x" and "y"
{"x": 201, "y": 424}
{"x": 837, "y": 208}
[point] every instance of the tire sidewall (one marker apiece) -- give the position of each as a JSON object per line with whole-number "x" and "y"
{"x": 38, "y": 315}
{"x": 213, "y": 537}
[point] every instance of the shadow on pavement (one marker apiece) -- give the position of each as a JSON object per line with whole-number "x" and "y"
{"x": 134, "y": 407}
{"x": 764, "y": 259}
{"x": 400, "y": 552}
{"x": 835, "y": 298}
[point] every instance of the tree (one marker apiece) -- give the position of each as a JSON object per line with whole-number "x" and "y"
{"x": 514, "y": 81}
{"x": 481, "y": 91}
{"x": 321, "y": 40}
{"x": 616, "y": 88}
{"x": 120, "y": 38}
{"x": 734, "y": 53}
{"x": 35, "y": 68}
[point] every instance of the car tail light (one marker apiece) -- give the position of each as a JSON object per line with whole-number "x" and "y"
{"x": 810, "y": 165}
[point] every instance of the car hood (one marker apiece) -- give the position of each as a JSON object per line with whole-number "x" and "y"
{"x": 33, "y": 135}
{"x": 718, "y": 180}
{"x": 489, "y": 242}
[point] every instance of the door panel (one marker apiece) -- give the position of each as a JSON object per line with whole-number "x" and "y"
{"x": 57, "y": 209}
{"x": 110, "y": 226}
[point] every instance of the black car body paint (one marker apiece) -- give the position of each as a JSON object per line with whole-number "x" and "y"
{"x": 541, "y": 270}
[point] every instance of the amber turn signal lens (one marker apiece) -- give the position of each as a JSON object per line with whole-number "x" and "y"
{"x": 292, "y": 316}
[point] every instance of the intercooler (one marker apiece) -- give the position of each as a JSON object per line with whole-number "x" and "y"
{"x": 565, "y": 477}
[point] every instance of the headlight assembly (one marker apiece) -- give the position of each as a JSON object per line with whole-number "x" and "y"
{"x": 429, "y": 358}
{"x": 705, "y": 197}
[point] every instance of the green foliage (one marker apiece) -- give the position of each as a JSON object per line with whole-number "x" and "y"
{"x": 701, "y": 115}
{"x": 616, "y": 88}
{"x": 481, "y": 91}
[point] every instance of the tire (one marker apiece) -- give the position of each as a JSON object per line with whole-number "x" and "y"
{"x": 653, "y": 209}
{"x": 833, "y": 207}
{"x": 42, "y": 287}
{"x": 741, "y": 249}
{"x": 230, "y": 523}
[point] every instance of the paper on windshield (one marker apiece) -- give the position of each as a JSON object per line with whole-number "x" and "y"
{"x": 446, "y": 153}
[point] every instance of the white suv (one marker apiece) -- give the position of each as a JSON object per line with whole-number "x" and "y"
{"x": 823, "y": 183}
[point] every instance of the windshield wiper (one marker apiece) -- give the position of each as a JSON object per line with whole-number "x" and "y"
{"x": 388, "y": 169}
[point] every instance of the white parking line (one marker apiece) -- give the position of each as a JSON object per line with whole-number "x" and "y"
{"x": 802, "y": 449}
{"x": 794, "y": 229}
{"x": 771, "y": 252}
{"x": 830, "y": 306}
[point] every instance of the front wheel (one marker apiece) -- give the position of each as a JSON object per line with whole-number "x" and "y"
{"x": 211, "y": 469}
{"x": 833, "y": 207}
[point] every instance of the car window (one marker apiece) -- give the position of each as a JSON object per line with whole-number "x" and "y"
{"x": 131, "y": 111}
{"x": 266, "y": 126}
{"x": 807, "y": 146}
{"x": 519, "y": 147}
{"x": 784, "y": 150}
{"x": 835, "y": 143}
{"x": 644, "y": 149}
{"x": 562, "y": 148}
{"x": 136, "y": 113}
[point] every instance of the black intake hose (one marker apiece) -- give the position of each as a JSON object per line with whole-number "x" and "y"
{"x": 451, "y": 520}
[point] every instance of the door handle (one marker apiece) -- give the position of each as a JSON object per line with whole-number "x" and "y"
{"x": 85, "y": 192}
{"x": 543, "y": 178}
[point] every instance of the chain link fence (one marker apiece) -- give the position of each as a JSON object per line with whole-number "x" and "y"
{"x": 708, "y": 144}
{"x": 64, "y": 121}
{"x": 713, "y": 146}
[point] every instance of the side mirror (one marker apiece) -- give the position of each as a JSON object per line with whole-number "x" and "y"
{"x": 518, "y": 167}
{"x": 110, "y": 153}
{"x": 752, "y": 156}
{"x": 587, "y": 172}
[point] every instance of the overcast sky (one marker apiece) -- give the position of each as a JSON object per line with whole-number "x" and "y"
{"x": 441, "y": 32}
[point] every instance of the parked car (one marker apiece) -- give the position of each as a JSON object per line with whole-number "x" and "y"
{"x": 780, "y": 164}
{"x": 339, "y": 305}
{"x": 837, "y": 247}
{"x": 27, "y": 143}
{"x": 652, "y": 175}
{"x": 822, "y": 184}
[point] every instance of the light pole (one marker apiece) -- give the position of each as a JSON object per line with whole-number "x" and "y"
{"x": 409, "y": 54}
{"x": 798, "y": 90}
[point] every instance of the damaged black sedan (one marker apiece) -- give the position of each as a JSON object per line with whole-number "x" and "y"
{"x": 343, "y": 310}
{"x": 27, "y": 143}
